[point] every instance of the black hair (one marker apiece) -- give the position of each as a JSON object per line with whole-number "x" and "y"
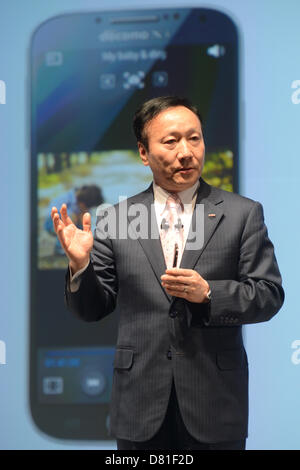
{"x": 151, "y": 108}
{"x": 90, "y": 195}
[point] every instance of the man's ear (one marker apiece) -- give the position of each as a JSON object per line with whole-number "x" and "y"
{"x": 143, "y": 153}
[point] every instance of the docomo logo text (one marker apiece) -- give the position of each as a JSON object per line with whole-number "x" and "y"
{"x": 295, "y": 358}
{"x": 2, "y": 92}
{"x": 2, "y": 352}
{"x": 136, "y": 221}
{"x": 123, "y": 36}
{"x": 296, "y": 94}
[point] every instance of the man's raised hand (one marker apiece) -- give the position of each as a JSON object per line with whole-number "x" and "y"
{"x": 75, "y": 242}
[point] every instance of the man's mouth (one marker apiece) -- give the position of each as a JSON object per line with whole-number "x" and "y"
{"x": 184, "y": 170}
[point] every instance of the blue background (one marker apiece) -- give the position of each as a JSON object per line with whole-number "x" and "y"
{"x": 269, "y": 173}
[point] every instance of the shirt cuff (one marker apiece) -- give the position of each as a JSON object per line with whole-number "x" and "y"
{"x": 75, "y": 280}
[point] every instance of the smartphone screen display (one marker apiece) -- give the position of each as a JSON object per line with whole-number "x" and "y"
{"x": 89, "y": 73}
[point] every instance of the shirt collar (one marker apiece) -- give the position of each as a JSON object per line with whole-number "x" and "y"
{"x": 186, "y": 196}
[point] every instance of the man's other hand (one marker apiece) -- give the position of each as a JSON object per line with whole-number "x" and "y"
{"x": 185, "y": 283}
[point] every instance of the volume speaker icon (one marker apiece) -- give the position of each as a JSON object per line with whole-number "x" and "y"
{"x": 217, "y": 50}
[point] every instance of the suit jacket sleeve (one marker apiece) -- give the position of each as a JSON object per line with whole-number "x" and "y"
{"x": 257, "y": 294}
{"x": 95, "y": 298}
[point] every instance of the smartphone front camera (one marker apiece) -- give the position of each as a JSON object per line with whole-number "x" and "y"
{"x": 98, "y": 20}
{"x": 176, "y": 16}
{"x": 202, "y": 18}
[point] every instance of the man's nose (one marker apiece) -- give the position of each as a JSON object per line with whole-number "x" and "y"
{"x": 183, "y": 149}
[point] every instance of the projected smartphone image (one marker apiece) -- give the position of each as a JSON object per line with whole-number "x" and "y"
{"x": 89, "y": 73}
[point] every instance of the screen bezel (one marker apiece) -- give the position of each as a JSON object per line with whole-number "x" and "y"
{"x": 91, "y": 416}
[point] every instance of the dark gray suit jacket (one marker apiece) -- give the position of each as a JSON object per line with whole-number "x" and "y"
{"x": 208, "y": 361}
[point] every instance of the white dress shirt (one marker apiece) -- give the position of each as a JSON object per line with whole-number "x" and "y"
{"x": 188, "y": 198}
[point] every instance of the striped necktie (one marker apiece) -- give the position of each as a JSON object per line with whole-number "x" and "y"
{"x": 171, "y": 231}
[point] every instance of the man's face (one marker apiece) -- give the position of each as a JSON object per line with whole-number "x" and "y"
{"x": 176, "y": 148}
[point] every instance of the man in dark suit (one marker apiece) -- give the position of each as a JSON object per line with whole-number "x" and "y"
{"x": 180, "y": 368}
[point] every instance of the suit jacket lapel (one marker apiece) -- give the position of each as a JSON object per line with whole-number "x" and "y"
{"x": 205, "y": 218}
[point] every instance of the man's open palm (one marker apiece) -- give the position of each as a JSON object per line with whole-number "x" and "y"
{"x": 76, "y": 243}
